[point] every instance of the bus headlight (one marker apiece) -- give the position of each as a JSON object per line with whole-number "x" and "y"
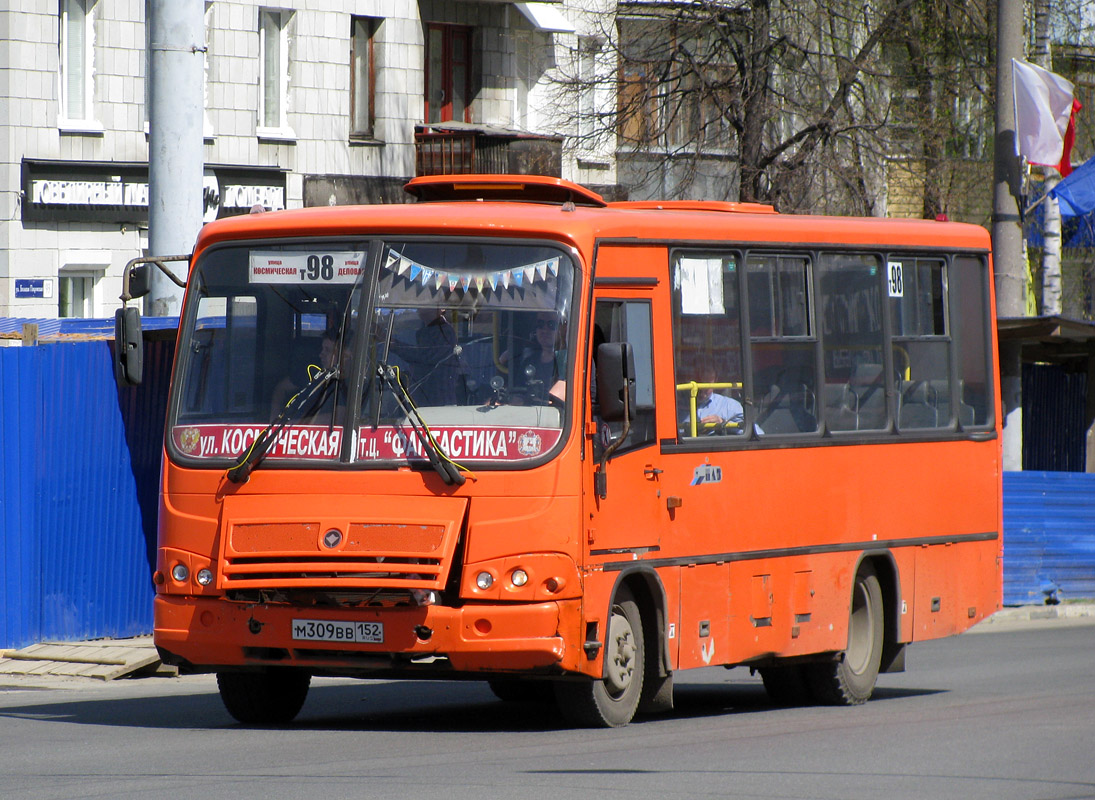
{"x": 180, "y": 572}
{"x": 204, "y": 577}
{"x": 527, "y": 577}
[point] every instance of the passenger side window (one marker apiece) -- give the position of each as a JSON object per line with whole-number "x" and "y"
{"x": 707, "y": 346}
{"x": 783, "y": 342}
{"x": 853, "y": 396}
{"x": 917, "y": 289}
{"x": 974, "y": 394}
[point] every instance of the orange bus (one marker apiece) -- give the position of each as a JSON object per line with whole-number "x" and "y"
{"x": 514, "y": 432}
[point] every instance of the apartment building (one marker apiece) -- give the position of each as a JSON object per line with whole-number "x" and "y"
{"x": 307, "y": 102}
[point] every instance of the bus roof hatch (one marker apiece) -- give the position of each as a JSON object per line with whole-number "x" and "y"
{"x": 697, "y": 205}
{"x": 520, "y": 188}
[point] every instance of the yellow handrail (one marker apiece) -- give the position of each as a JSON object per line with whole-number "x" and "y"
{"x": 693, "y": 388}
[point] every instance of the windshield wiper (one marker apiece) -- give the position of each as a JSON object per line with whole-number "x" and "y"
{"x": 297, "y": 407}
{"x": 444, "y": 466}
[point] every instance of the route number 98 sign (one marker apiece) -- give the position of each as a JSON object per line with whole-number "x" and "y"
{"x": 299, "y": 267}
{"x": 895, "y": 279}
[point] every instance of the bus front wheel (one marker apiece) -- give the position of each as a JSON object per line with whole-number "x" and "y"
{"x": 851, "y": 680}
{"x": 612, "y": 701}
{"x": 270, "y": 697}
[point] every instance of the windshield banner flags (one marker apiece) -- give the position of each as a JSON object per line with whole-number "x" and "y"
{"x": 1045, "y": 113}
{"x": 516, "y": 276}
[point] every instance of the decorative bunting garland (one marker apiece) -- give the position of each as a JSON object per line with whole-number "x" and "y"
{"x": 515, "y": 276}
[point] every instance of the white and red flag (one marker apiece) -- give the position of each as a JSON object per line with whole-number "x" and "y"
{"x": 1045, "y": 116}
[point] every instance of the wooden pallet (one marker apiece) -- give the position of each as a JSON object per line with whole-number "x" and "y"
{"x": 105, "y": 659}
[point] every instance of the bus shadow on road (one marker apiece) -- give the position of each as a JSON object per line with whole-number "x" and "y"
{"x": 711, "y": 700}
{"x": 401, "y": 706}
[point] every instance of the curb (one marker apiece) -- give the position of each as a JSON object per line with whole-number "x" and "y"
{"x": 1070, "y": 613}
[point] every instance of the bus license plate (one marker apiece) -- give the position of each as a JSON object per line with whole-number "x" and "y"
{"x": 319, "y": 630}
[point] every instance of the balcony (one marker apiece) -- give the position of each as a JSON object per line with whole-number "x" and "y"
{"x": 460, "y": 148}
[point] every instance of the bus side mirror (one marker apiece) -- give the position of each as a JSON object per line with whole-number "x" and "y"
{"x": 128, "y": 347}
{"x": 615, "y": 380}
{"x": 139, "y": 281}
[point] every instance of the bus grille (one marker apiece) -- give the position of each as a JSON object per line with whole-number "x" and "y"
{"x": 369, "y": 555}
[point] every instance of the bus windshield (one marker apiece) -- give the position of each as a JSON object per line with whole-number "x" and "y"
{"x": 375, "y": 352}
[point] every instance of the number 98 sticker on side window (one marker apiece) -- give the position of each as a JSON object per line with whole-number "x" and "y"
{"x": 318, "y": 630}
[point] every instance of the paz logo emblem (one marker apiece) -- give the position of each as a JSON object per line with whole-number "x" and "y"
{"x": 332, "y": 539}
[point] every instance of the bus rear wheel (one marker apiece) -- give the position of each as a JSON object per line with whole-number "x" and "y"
{"x": 851, "y": 680}
{"x": 271, "y": 697}
{"x": 612, "y": 701}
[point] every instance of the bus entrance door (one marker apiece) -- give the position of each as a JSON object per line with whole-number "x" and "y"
{"x": 625, "y": 520}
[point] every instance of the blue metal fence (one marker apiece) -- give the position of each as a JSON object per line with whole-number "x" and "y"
{"x": 77, "y": 493}
{"x": 1049, "y": 535}
{"x": 80, "y": 472}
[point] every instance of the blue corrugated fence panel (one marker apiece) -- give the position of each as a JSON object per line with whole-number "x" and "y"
{"x": 95, "y": 573}
{"x": 20, "y": 567}
{"x": 1049, "y": 535}
{"x": 75, "y": 562}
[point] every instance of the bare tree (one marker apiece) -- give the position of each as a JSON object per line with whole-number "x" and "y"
{"x": 794, "y": 103}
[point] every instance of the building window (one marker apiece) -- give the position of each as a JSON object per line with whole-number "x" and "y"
{"x": 673, "y": 79}
{"x": 76, "y": 45}
{"x": 448, "y": 73}
{"x": 274, "y": 78}
{"x": 362, "y": 77}
{"x": 75, "y": 295}
{"x": 588, "y": 50}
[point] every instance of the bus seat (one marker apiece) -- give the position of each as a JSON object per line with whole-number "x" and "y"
{"x": 966, "y": 412}
{"x": 788, "y": 409}
{"x": 917, "y": 406}
{"x": 868, "y": 383}
{"x": 841, "y": 406}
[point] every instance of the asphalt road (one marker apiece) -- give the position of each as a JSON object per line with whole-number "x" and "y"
{"x": 1007, "y": 714}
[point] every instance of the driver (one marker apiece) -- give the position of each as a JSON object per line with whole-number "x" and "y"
{"x": 542, "y": 366}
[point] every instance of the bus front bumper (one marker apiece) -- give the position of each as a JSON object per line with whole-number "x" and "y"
{"x": 202, "y": 634}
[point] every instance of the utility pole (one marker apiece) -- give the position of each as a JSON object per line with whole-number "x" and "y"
{"x": 175, "y": 143}
{"x": 1007, "y": 231}
{"x": 1051, "y": 211}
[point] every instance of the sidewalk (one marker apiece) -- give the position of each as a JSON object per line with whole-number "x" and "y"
{"x": 1068, "y": 614}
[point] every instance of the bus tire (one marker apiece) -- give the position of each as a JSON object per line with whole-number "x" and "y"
{"x": 612, "y": 701}
{"x": 786, "y": 685}
{"x": 270, "y": 697}
{"x": 851, "y": 680}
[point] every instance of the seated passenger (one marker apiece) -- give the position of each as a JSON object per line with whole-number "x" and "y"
{"x": 716, "y": 411}
{"x": 713, "y": 408}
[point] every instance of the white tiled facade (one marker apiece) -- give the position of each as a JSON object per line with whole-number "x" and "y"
{"x": 316, "y": 150}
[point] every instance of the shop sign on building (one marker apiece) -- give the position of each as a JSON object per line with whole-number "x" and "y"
{"x": 89, "y": 191}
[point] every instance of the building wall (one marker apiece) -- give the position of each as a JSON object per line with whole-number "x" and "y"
{"x": 314, "y": 161}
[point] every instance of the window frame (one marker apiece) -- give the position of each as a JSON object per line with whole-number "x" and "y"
{"x": 370, "y": 26}
{"x": 449, "y": 35}
{"x": 87, "y": 311}
{"x": 282, "y": 18}
{"x": 85, "y": 121}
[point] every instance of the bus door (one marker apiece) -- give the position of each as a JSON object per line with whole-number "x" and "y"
{"x": 626, "y": 519}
